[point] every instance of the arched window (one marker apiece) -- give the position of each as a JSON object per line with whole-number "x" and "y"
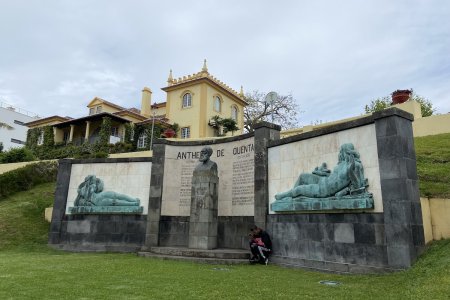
{"x": 217, "y": 104}
{"x": 234, "y": 113}
{"x": 187, "y": 100}
{"x": 142, "y": 141}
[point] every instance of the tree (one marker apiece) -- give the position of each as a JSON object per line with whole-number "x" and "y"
{"x": 175, "y": 127}
{"x": 229, "y": 125}
{"x": 378, "y": 104}
{"x": 223, "y": 125}
{"x": 426, "y": 107}
{"x": 284, "y": 111}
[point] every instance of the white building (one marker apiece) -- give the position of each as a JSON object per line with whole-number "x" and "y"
{"x": 15, "y": 133}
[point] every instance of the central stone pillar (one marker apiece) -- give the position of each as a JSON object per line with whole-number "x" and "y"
{"x": 203, "y": 221}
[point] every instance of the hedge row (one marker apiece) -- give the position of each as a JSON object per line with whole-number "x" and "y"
{"x": 27, "y": 177}
{"x": 16, "y": 155}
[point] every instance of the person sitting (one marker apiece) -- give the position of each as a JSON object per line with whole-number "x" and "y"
{"x": 260, "y": 245}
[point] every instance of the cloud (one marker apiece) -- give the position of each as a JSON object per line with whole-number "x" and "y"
{"x": 93, "y": 81}
{"x": 333, "y": 56}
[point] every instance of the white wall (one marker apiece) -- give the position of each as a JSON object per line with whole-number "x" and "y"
{"x": 19, "y": 132}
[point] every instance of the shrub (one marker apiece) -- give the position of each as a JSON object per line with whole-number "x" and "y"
{"x": 16, "y": 155}
{"x": 27, "y": 177}
{"x": 120, "y": 147}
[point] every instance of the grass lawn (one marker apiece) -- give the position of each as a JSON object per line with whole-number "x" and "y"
{"x": 53, "y": 275}
{"x": 30, "y": 270}
{"x": 433, "y": 165}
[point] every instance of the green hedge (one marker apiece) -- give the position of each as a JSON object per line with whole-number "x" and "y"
{"x": 16, "y": 155}
{"x": 27, "y": 177}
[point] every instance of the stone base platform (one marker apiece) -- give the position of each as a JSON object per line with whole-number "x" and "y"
{"x": 132, "y": 210}
{"x": 329, "y": 267}
{"x": 332, "y": 203}
{"x": 93, "y": 247}
{"x": 215, "y": 256}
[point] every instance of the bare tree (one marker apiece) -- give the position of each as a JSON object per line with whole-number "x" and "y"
{"x": 284, "y": 111}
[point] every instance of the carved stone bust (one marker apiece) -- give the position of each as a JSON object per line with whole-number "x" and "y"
{"x": 206, "y": 163}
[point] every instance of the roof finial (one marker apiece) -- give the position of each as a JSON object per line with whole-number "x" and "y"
{"x": 205, "y": 67}
{"x": 170, "y": 79}
{"x": 241, "y": 93}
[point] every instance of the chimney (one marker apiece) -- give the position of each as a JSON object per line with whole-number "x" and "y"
{"x": 146, "y": 102}
{"x": 400, "y": 96}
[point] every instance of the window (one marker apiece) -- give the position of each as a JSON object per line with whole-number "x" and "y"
{"x": 217, "y": 103}
{"x": 66, "y": 136}
{"x": 142, "y": 141}
{"x": 18, "y": 141}
{"x": 19, "y": 122}
{"x": 234, "y": 113}
{"x": 99, "y": 109}
{"x": 40, "y": 140}
{"x": 91, "y": 111}
{"x": 115, "y": 131}
{"x": 185, "y": 132}
{"x": 187, "y": 100}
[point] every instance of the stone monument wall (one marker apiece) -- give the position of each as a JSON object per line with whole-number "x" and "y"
{"x": 389, "y": 236}
{"x": 105, "y": 231}
{"x": 252, "y": 169}
{"x": 235, "y": 161}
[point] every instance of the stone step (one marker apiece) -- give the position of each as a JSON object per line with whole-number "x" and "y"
{"x": 204, "y": 260}
{"x": 200, "y": 253}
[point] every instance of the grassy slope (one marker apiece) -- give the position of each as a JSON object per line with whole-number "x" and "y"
{"x": 30, "y": 270}
{"x": 433, "y": 165}
{"x": 22, "y": 223}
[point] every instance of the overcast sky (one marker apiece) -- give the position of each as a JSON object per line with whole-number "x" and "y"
{"x": 333, "y": 56}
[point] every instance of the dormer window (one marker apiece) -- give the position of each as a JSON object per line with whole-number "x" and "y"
{"x": 187, "y": 100}
{"x": 99, "y": 109}
{"x": 91, "y": 111}
{"x": 217, "y": 104}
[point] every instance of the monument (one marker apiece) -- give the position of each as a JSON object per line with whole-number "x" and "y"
{"x": 343, "y": 188}
{"x": 203, "y": 220}
{"x": 91, "y": 199}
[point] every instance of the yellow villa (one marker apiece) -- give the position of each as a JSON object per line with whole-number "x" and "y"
{"x": 191, "y": 101}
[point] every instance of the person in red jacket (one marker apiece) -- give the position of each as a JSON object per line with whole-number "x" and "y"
{"x": 260, "y": 245}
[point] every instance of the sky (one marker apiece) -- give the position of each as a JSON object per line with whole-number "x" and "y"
{"x": 334, "y": 57}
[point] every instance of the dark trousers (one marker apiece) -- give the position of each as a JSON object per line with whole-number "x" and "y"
{"x": 259, "y": 251}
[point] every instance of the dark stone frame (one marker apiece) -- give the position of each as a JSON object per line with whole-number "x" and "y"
{"x": 361, "y": 242}
{"x": 93, "y": 232}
